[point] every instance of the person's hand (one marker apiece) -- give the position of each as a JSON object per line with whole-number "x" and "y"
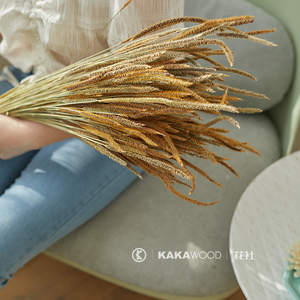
{"x": 18, "y": 136}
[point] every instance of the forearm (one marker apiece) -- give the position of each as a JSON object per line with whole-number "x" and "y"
{"x": 19, "y": 136}
{"x": 46, "y": 135}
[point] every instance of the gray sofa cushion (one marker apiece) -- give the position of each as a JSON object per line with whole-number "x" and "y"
{"x": 149, "y": 216}
{"x": 272, "y": 66}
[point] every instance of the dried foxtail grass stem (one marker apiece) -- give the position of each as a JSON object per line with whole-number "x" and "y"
{"x": 139, "y": 102}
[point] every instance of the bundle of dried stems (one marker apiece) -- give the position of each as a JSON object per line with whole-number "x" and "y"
{"x": 137, "y": 102}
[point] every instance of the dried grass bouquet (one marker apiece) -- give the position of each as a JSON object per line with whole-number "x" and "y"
{"x": 137, "y": 102}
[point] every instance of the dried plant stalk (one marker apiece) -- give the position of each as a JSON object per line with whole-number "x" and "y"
{"x": 137, "y": 102}
{"x": 294, "y": 260}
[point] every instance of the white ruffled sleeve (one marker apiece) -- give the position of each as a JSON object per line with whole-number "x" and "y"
{"x": 22, "y": 45}
{"x": 46, "y": 35}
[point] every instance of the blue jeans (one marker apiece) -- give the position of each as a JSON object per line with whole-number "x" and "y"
{"x": 46, "y": 194}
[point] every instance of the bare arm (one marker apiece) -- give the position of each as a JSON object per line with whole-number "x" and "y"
{"x": 19, "y": 136}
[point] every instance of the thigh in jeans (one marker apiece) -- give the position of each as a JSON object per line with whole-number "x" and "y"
{"x": 63, "y": 186}
{"x": 9, "y": 171}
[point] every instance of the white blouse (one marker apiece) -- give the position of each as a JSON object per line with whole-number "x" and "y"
{"x": 46, "y": 35}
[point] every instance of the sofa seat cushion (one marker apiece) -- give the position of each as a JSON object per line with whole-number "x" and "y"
{"x": 147, "y": 215}
{"x": 272, "y": 66}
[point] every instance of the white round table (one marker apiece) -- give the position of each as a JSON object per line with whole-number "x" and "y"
{"x": 265, "y": 224}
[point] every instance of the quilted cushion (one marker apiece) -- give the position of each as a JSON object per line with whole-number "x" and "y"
{"x": 149, "y": 216}
{"x": 272, "y": 66}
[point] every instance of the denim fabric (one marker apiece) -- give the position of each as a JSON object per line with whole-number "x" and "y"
{"x": 46, "y": 194}
{"x": 5, "y": 85}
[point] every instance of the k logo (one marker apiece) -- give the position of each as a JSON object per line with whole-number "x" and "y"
{"x": 139, "y": 254}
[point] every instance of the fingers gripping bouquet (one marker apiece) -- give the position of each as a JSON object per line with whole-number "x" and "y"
{"x": 138, "y": 102}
